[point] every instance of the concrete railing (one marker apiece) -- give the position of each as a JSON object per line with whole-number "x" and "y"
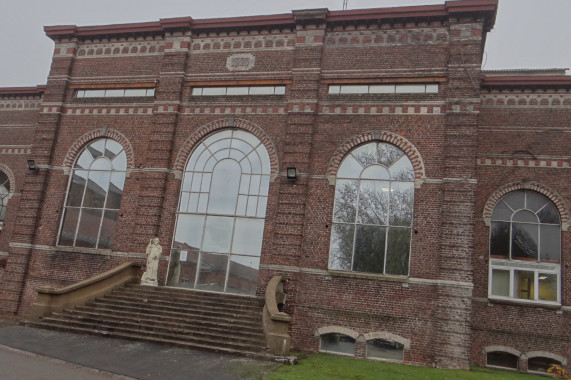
{"x": 53, "y": 300}
{"x": 276, "y": 322}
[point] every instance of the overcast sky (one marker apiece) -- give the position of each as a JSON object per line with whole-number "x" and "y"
{"x": 527, "y": 33}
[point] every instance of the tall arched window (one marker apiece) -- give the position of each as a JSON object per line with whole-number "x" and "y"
{"x": 220, "y": 220}
{"x": 372, "y": 216}
{"x": 94, "y": 196}
{"x": 4, "y": 195}
{"x": 525, "y": 248}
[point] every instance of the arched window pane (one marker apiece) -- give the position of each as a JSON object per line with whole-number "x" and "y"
{"x": 549, "y": 214}
{"x": 94, "y": 196}
{"x": 524, "y": 241}
{"x": 4, "y": 193}
{"x": 524, "y": 216}
{"x": 221, "y": 215}
{"x": 367, "y": 241}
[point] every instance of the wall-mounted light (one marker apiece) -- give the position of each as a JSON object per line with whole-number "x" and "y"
{"x": 32, "y": 165}
{"x": 291, "y": 173}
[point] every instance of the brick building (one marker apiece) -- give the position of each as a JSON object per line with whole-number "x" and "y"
{"x": 417, "y": 205}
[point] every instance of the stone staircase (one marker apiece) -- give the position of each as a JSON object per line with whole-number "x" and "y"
{"x": 201, "y": 320}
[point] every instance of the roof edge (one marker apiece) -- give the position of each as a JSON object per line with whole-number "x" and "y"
{"x": 33, "y": 90}
{"x": 527, "y": 81}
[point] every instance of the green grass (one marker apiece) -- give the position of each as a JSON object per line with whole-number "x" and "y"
{"x": 330, "y": 367}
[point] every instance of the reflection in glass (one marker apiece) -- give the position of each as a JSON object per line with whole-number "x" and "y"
{"x": 385, "y": 349}
{"x": 337, "y": 343}
{"x": 221, "y": 214}
{"x": 547, "y": 286}
{"x": 500, "y": 239}
{"x": 398, "y": 249}
{"x": 369, "y": 249}
{"x": 345, "y": 209}
{"x": 501, "y": 282}
{"x": 550, "y": 237}
{"x": 77, "y": 188}
{"x": 549, "y": 214}
{"x": 69, "y": 227}
{"x": 108, "y": 229}
{"x": 524, "y": 241}
{"x": 373, "y": 202}
{"x": 341, "y": 251}
{"x": 88, "y": 229}
{"x": 402, "y": 194}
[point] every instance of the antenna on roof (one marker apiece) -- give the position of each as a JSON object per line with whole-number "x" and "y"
{"x": 345, "y": 4}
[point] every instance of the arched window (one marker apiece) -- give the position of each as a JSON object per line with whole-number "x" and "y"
{"x": 4, "y": 195}
{"x": 525, "y": 248}
{"x": 372, "y": 217}
{"x": 220, "y": 219}
{"x": 94, "y": 196}
{"x": 500, "y": 359}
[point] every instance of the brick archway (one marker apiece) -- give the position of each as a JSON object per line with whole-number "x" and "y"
{"x": 534, "y": 186}
{"x": 81, "y": 142}
{"x": 376, "y": 135}
{"x": 217, "y": 125}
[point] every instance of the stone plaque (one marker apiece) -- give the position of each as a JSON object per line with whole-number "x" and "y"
{"x": 240, "y": 62}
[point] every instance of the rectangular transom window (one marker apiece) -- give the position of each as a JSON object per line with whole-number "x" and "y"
{"x": 415, "y": 88}
{"x": 238, "y": 90}
{"x": 116, "y": 93}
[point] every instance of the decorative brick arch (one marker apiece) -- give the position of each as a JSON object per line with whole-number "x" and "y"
{"x": 549, "y": 193}
{"x": 545, "y": 354}
{"x": 217, "y": 125}
{"x": 81, "y": 142}
{"x": 11, "y": 179}
{"x": 338, "y": 330}
{"x": 377, "y": 135}
{"x": 507, "y": 349}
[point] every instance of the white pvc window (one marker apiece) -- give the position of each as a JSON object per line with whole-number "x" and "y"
{"x": 4, "y": 196}
{"x": 525, "y": 249}
{"x": 116, "y": 93}
{"x": 94, "y": 196}
{"x": 238, "y": 90}
{"x": 384, "y": 89}
{"x": 220, "y": 219}
{"x": 372, "y": 216}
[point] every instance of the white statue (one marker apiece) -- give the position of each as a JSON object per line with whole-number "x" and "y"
{"x": 154, "y": 251}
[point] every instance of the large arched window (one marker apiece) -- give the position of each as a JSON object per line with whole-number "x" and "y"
{"x": 372, "y": 217}
{"x": 525, "y": 248}
{"x": 4, "y": 195}
{"x": 220, "y": 220}
{"x": 94, "y": 196}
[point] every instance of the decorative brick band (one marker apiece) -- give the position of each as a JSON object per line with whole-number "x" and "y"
{"x": 11, "y": 179}
{"x": 547, "y": 100}
{"x": 15, "y": 150}
{"x": 379, "y": 110}
{"x": 131, "y": 48}
{"x": 241, "y": 43}
{"x": 376, "y": 135}
{"x": 80, "y": 143}
{"x": 552, "y": 195}
{"x": 110, "y": 110}
{"x": 20, "y": 104}
{"x": 388, "y": 37}
{"x": 557, "y": 163}
{"x": 216, "y": 125}
{"x": 263, "y": 109}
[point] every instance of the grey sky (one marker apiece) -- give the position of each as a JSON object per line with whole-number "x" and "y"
{"x": 528, "y": 33}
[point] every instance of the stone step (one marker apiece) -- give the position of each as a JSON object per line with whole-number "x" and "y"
{"x": 181, "y": 332}
{"x": 205, "y": 312}
{"x": 189, "y": 302}
{"x": 158, "y": 317}
{"x": 257, "y": 353}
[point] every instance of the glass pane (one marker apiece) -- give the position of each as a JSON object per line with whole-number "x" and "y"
{"x": 502, "y": 212}
{"x": 243, "y": 275}
{"x": 366, "y": 154}
{"x": 398, "y": 250}
{"x": 410, "y": 89}
{"x": 375, "y": 172}
{"x": 236, "y": 155}
{"x": 550, "y": 237}
{"x": 206, "y": 182}
{"x": 214, "y": 91}
{"x": 341, "y": 251}
{"x": 346, "y": 195}
{"x": 202, "y": 202}
{"x": 136, "y": 92}
{"x": 96, "y": 191}
{"x": 264, "y": 159}
{"x": 242, "y": 203}
{"x": 382, "y": 89}
{"x": 184, "y": 198}
{"x": 70, "y": 220}
{"x": 252, "y": 208}
{"x": 524, "y": 284}
{"x": 241, "y": 145}
{"x": 101, "y": 164}
{"x": 218, "y": 234}
{"x": 120, "y": 162}
{"x": 196, "y": 182}
{"x": 182, "y": 268}
{"x": 108, "y": 229}
{"x": 373, "y": 202}
{"x": 114, "y": 93}
{"x": 218, "y": 145}
{"x": 84, "y": 161}
{"x": 432, "y": 89}
{"x": 248, "y": 235}
{"x": 334, "y": 89}
{"x": 193, "y": 202}
{"x": 500, "y": 239}
{"x": 402, "y": 203}
{"x": 339, "y": 343}
{"x": 262, "y": 90}
{"x": 255, "y": 185}
{"x": 350, "y": 168}
{"x": 279, "y": 90}
{"x": 354, "y": 89}
{"x": 502, "y": 359}
{"x": 224, "y": 189}
{"x": 97, "y": 148}
{"x": 265, "y": 185}
{"x": 262, "y": 203}
{"x": 549, "y": 214}
{"x": 88, "y": 228}
{"x": 402, "y": 169}
{"x": 115, "y": 190}
{"x": 389, "y": 154}
{"x": 540, "y": 364}
{"x": 212, "y": 272}
{"x": 188, "y": 234}
{"x": 547, "y": 287}
{"x": 525, "y": 216}
{"x": 190, "y": 166}
{"x": 247, "y": 137}
{"x": 237, "y": 91}
{"x": 524, "y": 241}
{"x": 515, "y": 200}
{"x": 385, "y": 349}
{"x": 94, "y": 94}
{"x": 501, "y": 282}
{"x": 369, "y": 249}
{"x": 197, "y": 91}
{"x": 112, "y": 148}
{"x": 76, "y": 188}
{"x": 534, "y": 201}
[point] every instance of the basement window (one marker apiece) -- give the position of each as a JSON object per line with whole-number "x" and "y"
{"x": 116, "y": 93}
{"x": 503, "y": 360}
{"x": 337, "y": 343}
{"x": 420, "y": 88}
{"x": 541, "y": 364}
{"x": 385, "y": 349}
{"x": 238, "y": 90}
